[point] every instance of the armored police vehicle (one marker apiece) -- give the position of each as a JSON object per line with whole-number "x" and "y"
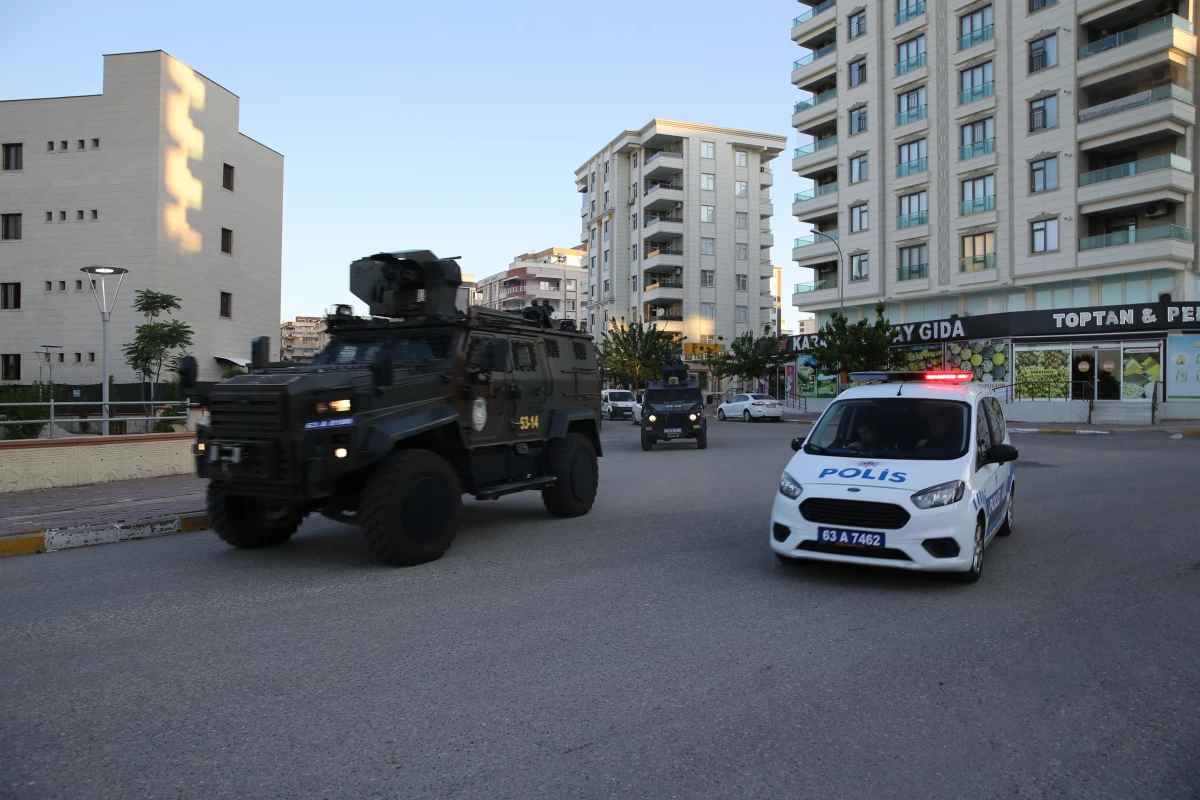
{"x": 400, "y": 415}
{"x": 673, "y": 409}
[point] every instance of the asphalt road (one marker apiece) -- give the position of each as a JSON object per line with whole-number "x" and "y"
{"x": 653, "y": 649}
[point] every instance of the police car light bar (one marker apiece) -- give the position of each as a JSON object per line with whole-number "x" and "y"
{"x": 902, "y": 377}
{"x": 949, "y": 377}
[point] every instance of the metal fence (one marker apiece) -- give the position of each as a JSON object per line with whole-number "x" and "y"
{"x": 68, "y": 412}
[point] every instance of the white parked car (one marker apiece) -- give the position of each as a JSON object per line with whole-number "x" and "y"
{"x": 747, "y": 407}
{"x": 617, "y": 403}
{"x": 917, "y": 476}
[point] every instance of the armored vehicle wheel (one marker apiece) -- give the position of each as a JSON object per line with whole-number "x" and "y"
{"x": 647, "y": 442}
{"x": 702, "y": 440}
{"x": 246, "y": 522}
{"x": 410, "y": 508}
{"x": 572, "y": 462}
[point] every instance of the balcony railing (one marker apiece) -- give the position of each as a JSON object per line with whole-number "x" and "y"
{"x": 813, "y": 147}
{"x": 664, "y": 283}
{"x": 911, "y": 115}
{"x": 1168, "y": 92}
{"x": 827, "y": 50}
{"x": 816, "y": 191}
{"x": 664, "y": 251}
{"x": 812, "y": 12}
{"x": 912, "y": 220}
{"x": 815, "y": 286}
{"x": 976, "y": 37}
{"x": 912, "y": 167}
{"x": 658, "y": 186}
{"x": 664, "y": 218}
{"x": 909, "y": 64}
{"x": 976, "y": 93}
{"x": 976, "y": 149}
{"x": 912, "y": 12}
{"x": 977, "y": 263}
{"x": 662, "y": 154}
{"x": 977, "y": 206}
{"x": 1165, "y": 161}
{"x": 912, "y": 272}
{"x": 815, "y": 100}
{"x": 1151, "y": 234}
{"x": 1133, "y": 34}
{"x": 805, "y": 241}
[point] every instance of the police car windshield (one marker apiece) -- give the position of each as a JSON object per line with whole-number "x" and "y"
{"x": 621, "y": 397}
{"x": 676, "y": 395}
{"x": 893, "y": 427}
{"x": 415, "y": 347}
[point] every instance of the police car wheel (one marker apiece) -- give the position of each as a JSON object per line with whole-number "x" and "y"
{"x": 1006, "y": 528}
{"x": 647, "y": 442}
{"x": 245, "y": 522}
{"x": 721, "y": 414}
{"x": 572, "y": 462}
{"x": 410, "y": 508}
{"x": 976, "y": 569}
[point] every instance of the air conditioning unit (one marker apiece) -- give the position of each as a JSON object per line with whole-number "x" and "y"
{"x": 1157, "y": 210}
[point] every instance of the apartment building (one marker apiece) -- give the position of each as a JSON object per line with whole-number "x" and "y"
{"x": 677, "y": 221}
{"x": 151, "y": 176}
{"x": 300, "y": 339}
{"x": 972, "y": 158}
{"x": 556, "y": 275}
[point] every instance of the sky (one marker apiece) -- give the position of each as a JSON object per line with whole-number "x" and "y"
{"x": 448, "y": 126}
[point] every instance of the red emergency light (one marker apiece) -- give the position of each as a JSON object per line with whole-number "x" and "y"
{"x": 949, "y": 377}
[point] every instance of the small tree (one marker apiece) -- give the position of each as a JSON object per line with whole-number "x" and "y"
{"x": 635, "y": 353}
{"x": 749, "y": 357}
{"x": 156, "y": 345}
{"x": 862, "y": 346}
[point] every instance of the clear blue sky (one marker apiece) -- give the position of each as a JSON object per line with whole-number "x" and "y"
{"x": 455, "y": 127}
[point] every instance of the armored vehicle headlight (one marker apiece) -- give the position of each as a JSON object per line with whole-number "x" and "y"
{"x": 341, "y": 452}
{"x": 339, "y": 405}
{"x": 692, "y": 417}
{"x": 652, "y": 418}
{"x": 200, "y": 447}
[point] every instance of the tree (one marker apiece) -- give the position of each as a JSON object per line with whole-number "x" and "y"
{"x": 635, "y": 353}
{"x": 151, "y": 304}
{"x": 862, "y": 346}
{"x": 156, "y": 345}
{"x": 749, "y": 357}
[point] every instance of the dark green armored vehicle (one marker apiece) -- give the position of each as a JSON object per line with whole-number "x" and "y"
{"x": 673, "y": 409}
{"x": 400, "y": 415}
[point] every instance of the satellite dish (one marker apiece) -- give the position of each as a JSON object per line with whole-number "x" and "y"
{"x": 662, "y": 312}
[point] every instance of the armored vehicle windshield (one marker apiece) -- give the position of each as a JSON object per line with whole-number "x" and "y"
{"x": 673, "y": 394}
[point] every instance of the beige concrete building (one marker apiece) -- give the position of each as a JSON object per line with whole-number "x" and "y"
{"x": 152, "y": 176}
{"x": 557, "y": 275}
{"x": 300, "y": 339}
{"x": 975, "y": 157}
{"x": 677, "y": 220}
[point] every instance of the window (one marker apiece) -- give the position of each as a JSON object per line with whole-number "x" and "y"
{"x": 708, "y": 277}
{"x": 226, "y": 241}
{"x": 708, "y": 311}
{"x": 606, "y": 230}
{"x": 62, "y": 145}
{"x": 12, "y": 158}
{"x": 858, "y": 72}
{"x": 606, "y": 197}
{"x": 978, "y": 194}
{"x": 1045, "y": 236}
{"x": 95, "y": 143}
{"x": 741, "y": 158}
{"x": 571, "y": 284}
{"x": 10, "y": 296}
{"x": 607, "y": 290}
{"x": 1043, "y": 113}
{"x": 10, "y": 367}
{"x": 741, "y": 251}
{"x": 49, "y": 286}
{"x": 909, "y": 53}
{"x": 79, "y": 358}
{"x": 742, "y": 220}
{"x": 914, "y": 262}
{"x": 743, "y": 282}
{"x": 524, "y": 355}
{"x": 741, "y": 314}
{"x": 226, "y": 304}
{"x": 547, "y": 286}
{"x": 976, "y": 248}
{"x": 708, "y": 150}
{"x": 95, "y": 213}
{"x": 605, "y": 170}
{"x": 49, "y": 216}
{"x": 975, "y": 136}
{"x": 593, "y": 270}
{"x": 1043, "y": 53}
{"x": 79, "y": 215}
{"x": 858, "y": 218}
{"x": 634, "y": 222}
{"x": 570, "y": 305}
{"x": 708, "y": 213}
{"x": 91, "y": 358}
{"x": 858, "y": 120}
{"x": 79, "y": 286}
{"x": 858, "y": 169}
{"x": 708, "y": 181}
{"x": 913, "y": 151}
{"x": 62, "y": 216}
{"x": 708, "y": 246}
{"x": 633, "y": 253}
{"x": 858, "y": 24}
{"x": 10, "y": 226}
{"x": 633, "y": 191}
{"x": 593, "y": 180}
{"x": 860, "y": 268}
{"x": 633, "y": 160}
{"x": 740, "y": 188}
{"x": 973, "y": 27}
{"x": 604, "y": 259}
{"x": 633, "y": 283}
{"x": 975, "y": 78}
{"x": 62, "y": 286}
{"x": 80, "y": 145}
{"x": 1043, "y": 175}
{"x": 227, "y": 177}
{"x": 910, "y": 101}
{"x": 983, "y": 437}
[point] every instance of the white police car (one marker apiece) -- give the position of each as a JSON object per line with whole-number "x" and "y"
{"x": 913, "y": 471}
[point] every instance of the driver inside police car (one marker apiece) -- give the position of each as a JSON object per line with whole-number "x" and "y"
{"x": 868, "y": 437}
{"x": 938, "y": 437}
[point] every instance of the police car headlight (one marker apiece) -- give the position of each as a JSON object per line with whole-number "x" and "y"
{"x": 652, "y": 418}
{"x": 790, "y": 487}
{"x": 941, "y": 495}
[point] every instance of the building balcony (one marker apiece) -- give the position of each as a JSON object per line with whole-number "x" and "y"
{"x": 661, "y": 258}
{"x": 1161, "y": 246}
{"x": 816, "y": 61}
{"x": 662, "y": 290}
{"x": 908, "y": 65}
{"x": 664, "y": 311}
{"x": 1137, "y": 236}
{"x": 1145, "y": 165}
{"x": 662, "y": 165}
{"x": 664, "y": 228}
{"x": 765, "y": 177}
{"x": 803, "y": 23}
{"x": 815, "y": 199}
{"x": 1117, "y": 52}
{"x": 977, "y": 263}
{"x": 815, "y": 286}
{"x": 912, "y": 220}
{"x": 815, "y": 294}
{"x": 766, "y": 209}
{"x": 976, "y": 93}
{"x": 911, "y": 115}
{"x": 912, "y": 167}
{"x": 815, "y": 246}
{"x": 662, "y": 195}
{"x": 815, "y": 147}
{"x": 912, "y": 272}
{"x": 1166, "y": 177}
{"x": 976, "y": 149}
{"x": 977, "y": 206}
{"x": 910, "y": 13}
{"x": 800, "y": 111}
{"x": 1122, "y": 104}
{"x": 1165, "y": 110}
{"x": 976, "y": 37}
{"x": 766, "y": 238}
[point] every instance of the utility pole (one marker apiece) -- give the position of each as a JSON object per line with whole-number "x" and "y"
{"x": 98, "y": 275}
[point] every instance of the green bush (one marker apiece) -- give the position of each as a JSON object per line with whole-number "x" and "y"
{"x": 37, "y": 393}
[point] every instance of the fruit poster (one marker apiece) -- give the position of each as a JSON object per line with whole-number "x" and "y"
{"x": 987, "y": 359}
{"x": 1182, "y": 370}
{"x": 1140, "y": 372}
{"x": 1043, "y": 374}
{"x": 921, "y": 358}
{"x": 809, "y": 383}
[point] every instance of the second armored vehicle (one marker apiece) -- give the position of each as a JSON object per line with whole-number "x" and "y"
{"x": 673, "y": 409}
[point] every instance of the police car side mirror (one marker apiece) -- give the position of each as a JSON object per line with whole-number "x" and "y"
{"x": 382, "y": 369}
{"x": 797, "y": 443}
{"x": 1002, "y": 454}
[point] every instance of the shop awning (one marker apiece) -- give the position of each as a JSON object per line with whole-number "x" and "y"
{"x": 241, "y": 362}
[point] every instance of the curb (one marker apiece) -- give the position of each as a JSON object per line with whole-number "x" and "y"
{"x": 15, "y": 544}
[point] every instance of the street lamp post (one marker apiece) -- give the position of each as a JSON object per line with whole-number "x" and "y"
{"x": 841, "y": 266}
{"x": 98, "y": 277}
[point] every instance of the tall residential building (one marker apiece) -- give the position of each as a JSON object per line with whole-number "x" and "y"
{"x": 972, "y": 157}
{"x": 677, "y": 220}
{"x": 556, "y": 274}
{"x": 302, "y": 338}
{"x": 151, "y": 176}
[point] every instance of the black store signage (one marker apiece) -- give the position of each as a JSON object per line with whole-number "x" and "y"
{"x": 1131, "y": 318}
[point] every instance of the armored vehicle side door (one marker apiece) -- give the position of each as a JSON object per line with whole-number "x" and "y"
{"x": 528, "y": 389}
{"x": 493, "y": 392}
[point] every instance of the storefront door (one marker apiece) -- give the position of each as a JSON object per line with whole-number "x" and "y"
{"x": 1108, "y": 374}
{"x": 1083, "y": 375}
